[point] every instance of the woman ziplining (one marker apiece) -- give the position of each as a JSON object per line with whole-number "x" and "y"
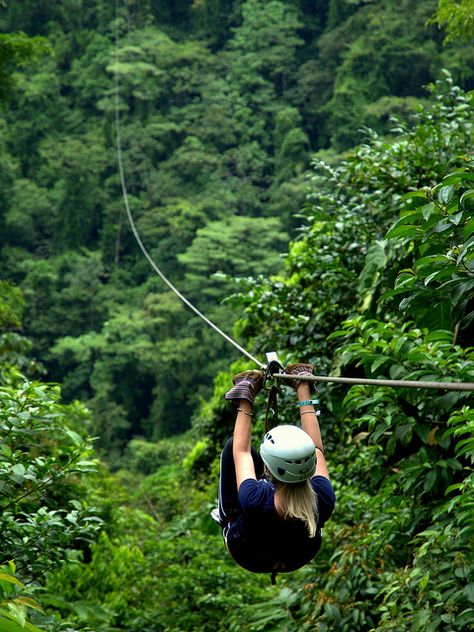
{"x": 273, "y": 504}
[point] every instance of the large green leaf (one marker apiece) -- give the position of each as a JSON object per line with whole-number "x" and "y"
{"x": 8, "y": 624}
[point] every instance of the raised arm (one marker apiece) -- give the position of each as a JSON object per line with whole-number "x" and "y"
{"x": 310, "y": 424}
{"x": 244, "y": 465}
{"x": 246, "y": 386}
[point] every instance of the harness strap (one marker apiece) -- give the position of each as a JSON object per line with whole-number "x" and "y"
{"x": 272, "y": 409}
{"x": 272, "y": 368}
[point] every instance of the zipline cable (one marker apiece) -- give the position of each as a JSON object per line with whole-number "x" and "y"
{"x": 460, "y": 386}
{"x": 449, "y": 386}
{"x": 118, "y": 142}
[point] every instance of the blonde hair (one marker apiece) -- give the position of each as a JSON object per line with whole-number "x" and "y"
{"x": 299, "y": 501}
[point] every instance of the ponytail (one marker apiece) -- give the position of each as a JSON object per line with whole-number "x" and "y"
{"x": 299, "y": 500}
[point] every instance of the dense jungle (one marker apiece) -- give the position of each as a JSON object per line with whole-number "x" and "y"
{"x": 302, "y": 171}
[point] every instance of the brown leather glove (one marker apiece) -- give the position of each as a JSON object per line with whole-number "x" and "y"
{"x": 246, "y": 385}
{"x": 300, "y": 369}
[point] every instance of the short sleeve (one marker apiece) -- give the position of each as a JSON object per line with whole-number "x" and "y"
{"x": 326, "y": 497}
{"x": 252, "y": 495}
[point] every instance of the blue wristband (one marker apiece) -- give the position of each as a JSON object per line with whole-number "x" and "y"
{"x": 310, "y": 402}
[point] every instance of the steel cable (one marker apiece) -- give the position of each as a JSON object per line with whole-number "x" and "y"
{"x": 163, "y": 277}
{"x": 463, "y": 386}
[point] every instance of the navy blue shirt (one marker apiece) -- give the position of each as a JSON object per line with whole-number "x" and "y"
{"x": 261, "y": 541}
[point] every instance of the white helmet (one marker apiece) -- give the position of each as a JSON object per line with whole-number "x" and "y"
{"x": 289, "y": 453}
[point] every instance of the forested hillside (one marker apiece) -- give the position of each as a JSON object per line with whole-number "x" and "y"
{"x": 303, "y": 172}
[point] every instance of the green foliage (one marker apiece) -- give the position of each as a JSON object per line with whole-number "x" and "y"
{"x": 185, "y": 564}
{"x": 17, "y": 50}
{"x": 291, "y": 143}
{"x": 336, "y": 266}
{"x": 419, "y": 434}
{"x": 42, "y": 512}
{"x": 145, "y": 457}
{"x": 12, "y": 305}
{"x": 363, "y": 56}
{"x": 123, "y": 364}
{"x": 15, "y": 600}
{"x": 221, "y": 104}
{"x": 402, "y": 458}
{"x": 214, "y": 130}
{"x": 457, "y": 17}
{"x": 438, "y": 225}
{"x": 224, "y": 246}
{"x": 267, "y": 41}
{"x": 69, "y": 286}
{"x": 71, "y": 171}
{"x": 14, "y": 348}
